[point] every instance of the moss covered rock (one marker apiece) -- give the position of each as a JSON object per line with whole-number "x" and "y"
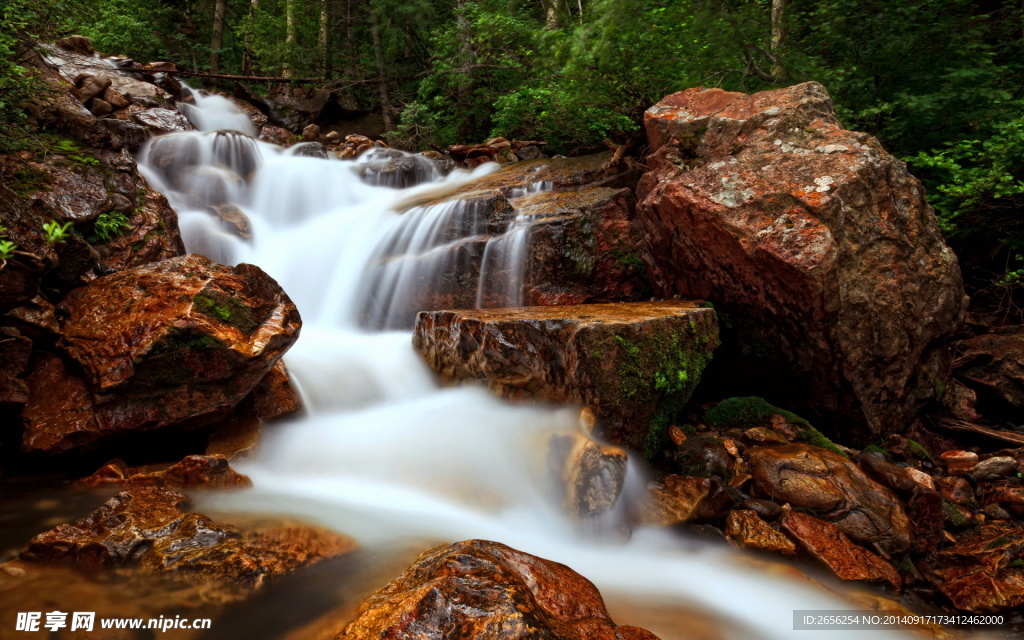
{"x": 634, "y": 364}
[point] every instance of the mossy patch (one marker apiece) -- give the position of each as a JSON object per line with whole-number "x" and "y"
{"x": 953, "y": 518}
{"x": 663, "y": 369}
{"x": 752, "y": 411}
{"x": 226, "y": 309}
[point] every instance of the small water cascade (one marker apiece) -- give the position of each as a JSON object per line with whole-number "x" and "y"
{"x": 381, "y": 452}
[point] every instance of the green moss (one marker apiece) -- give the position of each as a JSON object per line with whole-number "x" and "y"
{"x": 904, "y": 565}
{"x": 873, "y": 448}
{"x": 27, "y": 181}
{"x": 663, "y": 369}
{"x": 752, "y": 411}
{"x": 917, "y": 450}
{"x": 629, "y": 260}
{"x": 226, "y": 309}
{"x": 952, "y": 516}
{"x": 1017, "y": 564}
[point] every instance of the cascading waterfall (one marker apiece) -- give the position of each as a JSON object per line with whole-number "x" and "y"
{"x": 381, "y": 453}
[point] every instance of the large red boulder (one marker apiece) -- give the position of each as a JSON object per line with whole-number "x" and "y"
{"x": 176, "y": 342}
{"x": 817, "y": 244}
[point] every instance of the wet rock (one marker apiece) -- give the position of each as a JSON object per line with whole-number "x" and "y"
{"x": 100, "y": 107}
{"x": 394, "y": 168}
{"x": 957, "y": 461}
{"x": 311, "y": 133}
{"x": 479, "y": 590}
{"x": 149, "y": 529}
{"x": 193, "y": 472}
{"x": 925, "y": 512}
{"x": 160, "y": 121}
{"x": 15, "y": 350}
{"x": 749, "y": 531}
{"x": 1009, "y": 498}
{"x": 982, "y": 572}
{"x": 680, "y": 499}
{"x": 88, "y": 87}
{"x": 880, "y": 470}
{"x": 114, "y": 98}
{"x": 23, "y": 272}
{"x": 765, "y": 509}
{"x": 76, "y": 43}
{"x": 954, "y": 489}
{"x": 994, "y": 362}
{"x": 818, "y": 244}
{"x": 275, "y": 396}
{"x": 833, "y": 488}
{"x": 591, "y": 474}
{"x": 634, "y": 364}
{"x": 234, "y": 219}
{"x": 152, "y": 236}
{"x": 277, "y": 135}
{"x": 181, "y": 340}
{"x": 310, "y": 150}
{"x": 994, "y": 468}
{"x": 763, "y": 436}
{"x": 830, "y": 546}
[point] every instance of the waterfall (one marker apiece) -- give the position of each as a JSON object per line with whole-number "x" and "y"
{"x": 382, "y": 453}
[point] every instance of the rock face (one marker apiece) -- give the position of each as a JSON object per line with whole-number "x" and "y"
{"x": 176, "y": 341}
{"x": 634, "y": 364}
{"x": 817, "y": 243}
{"x": 834, "y": 488}
{"x": 148, "y": 528}
{"x": 479, "y": 590}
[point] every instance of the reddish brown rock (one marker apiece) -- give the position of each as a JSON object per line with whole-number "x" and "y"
{"x": 680, "y": 499}
{"x": 193, "y": 472}
{"x": 955, "y": 489}
{"x": 749, "y": 531}
{"x": 148, "y": 528}
{"x": 833, "y": 488}
{"x": 479, "y": 590}
{"x": 995, "y": 362}
{"x": 589, "y": 475}
{"x": 634, "y": 364}
{"x": 277, "y": 135}
{"x": 819, "y": 245}
{"x": 830, "y": 546}
{"x": 180, "y": 340}
{"x": 982, "y": 571}
{"x": 1010, "y": 498}
{"x": 275, "y": 396}
{"x": 924, "y": 510}
{"x": 15, "y": 350}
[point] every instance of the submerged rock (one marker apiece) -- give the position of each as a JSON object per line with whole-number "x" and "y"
{"x": 149, "y": 529}
{"x": 176, "y": 341}
{"x": 479, "y": 590}
{"x": 818, "y": 244}
{"x": 832, "y": 487}
{"x": 634, "y": 364}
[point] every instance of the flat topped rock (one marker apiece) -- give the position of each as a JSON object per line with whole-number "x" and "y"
{"x": 634, "y": 364}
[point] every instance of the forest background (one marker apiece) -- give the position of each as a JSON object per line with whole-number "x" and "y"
{"x": 940, "y": 82}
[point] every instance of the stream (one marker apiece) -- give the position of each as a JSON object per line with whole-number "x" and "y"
{"x": 381, "y": 452}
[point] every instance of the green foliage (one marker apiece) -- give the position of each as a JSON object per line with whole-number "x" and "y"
{"x": 109, "y": 226}
{"x": 55, "y": 232}
{"x": 7, "y": 248}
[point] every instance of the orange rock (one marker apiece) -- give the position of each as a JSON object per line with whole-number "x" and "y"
{"x": 749, "y": 531}
{"x": 679, "y": 500}
{"x": 830, "y": 546}
{"x": 483, "y": 590}
{"x": 180, "y": 340}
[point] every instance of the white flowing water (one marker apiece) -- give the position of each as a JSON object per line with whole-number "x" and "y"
{"x": 382, "y": 453}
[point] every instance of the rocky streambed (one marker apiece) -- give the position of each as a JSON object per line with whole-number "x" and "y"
{"x": 606, "y": 331}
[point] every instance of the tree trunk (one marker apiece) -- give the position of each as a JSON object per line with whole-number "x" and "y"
{"x": 289, "y": 38}
{"x": 247, "y": 65}
{"x": 325, "y": 38}
{"x": 217, "y": 39}
{"x": 778, "y": 32}
{"x": 382, "y": 78}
